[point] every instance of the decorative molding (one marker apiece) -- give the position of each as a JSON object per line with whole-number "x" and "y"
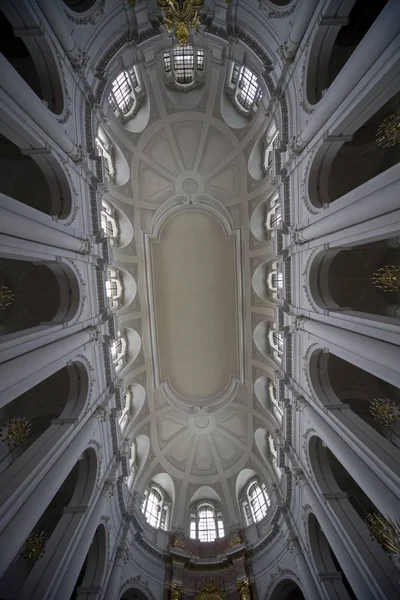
{"x": 304, "y": 186}
{"x": 87, "y": 19}
{"x": 278, "y": 576}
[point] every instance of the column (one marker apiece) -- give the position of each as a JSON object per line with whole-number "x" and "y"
{"x": 369, "y": 571}
{"x": 372, "y": 199}
{"x": 24, "y": 372}
{"x": 19, "y": 93}
{"x": 114, "y": 583}
{"x": 28, "y": 228}
{"x": 67, "y": 583}
{"x": 379, "y": 493}
{"x": 301, "y": 19}
{"x": 310, "y": 589}
{"x": 377, "y": 39}
{"x": 53, "y": 13}
{"x": 26, "y": 513}
{"x": 374, "y": 356}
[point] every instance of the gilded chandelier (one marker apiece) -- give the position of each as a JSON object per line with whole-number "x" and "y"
{"x": 388, "y": 133}
{"x": 385, "y": 531}
{"x": 387, "y": 278}
{"x": 384, "y": 411}
{"x": 15, "y": 431}
{"x": 34, "y": 546}
{"x": 181, "y": 18}
{"x": 7, "y": 296}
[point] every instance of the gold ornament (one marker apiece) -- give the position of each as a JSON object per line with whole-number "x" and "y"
{"x": 16, "y": 431}
{"x": 243, "y": 587}
{"x": 385, "y": 531}
{"x": 384, "y": 411}
{"x": 210, "y": 591}
{"x": 234, "y": 540}
{"x": 34, "y": 546}
{"x": 178, "y": 542}
{"x": 388, "y": 133}
{"x": 387, "y": 278}
{"x": 181, "y": 18}
{"x": 7, "y": 296}
{"x": 176, "y": 591}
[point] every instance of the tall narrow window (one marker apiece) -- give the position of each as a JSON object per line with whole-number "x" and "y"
{"x": 108, "y": 222}
{"x": 255, "y": 501}
{"x": 114, "y": 290}
{"x": 119, "y": 348}
{"x": 156, "y": 507}
{"x": 105, "y": 150}
{"x": 153, "y": 508}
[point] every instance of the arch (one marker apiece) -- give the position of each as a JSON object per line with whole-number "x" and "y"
{"x": 267, "y": 280}
{"x": 33, "y": 59}
{"x": 143, "y": 449}
{"x": 325, "y": 560}
{"x": 36, "y": 180}
{"x": 342, "y": 166}
{"x": 241, "y": 481}
{"x": 93, "y": 569}
{"x": 344, "y": 279}
{"x": 63, "y": 395}
{"x": 184, "y": 69}
{"x": 123, "y": 297}
{"x": 127, "y": 98}
{"x": 334, "y": 43}
{"x": 119, "y": 228}
{"x": 260, "y": 438}
{"x": 165, "y": 481}
{"x": 134, "y": 594}
{"x": 260, "y": 337}
{"x": 79, "y": 6}
{"x": 76, "y": 491}
{"x": 205, "y": 492}
{"x": 205, "y": 521}
{"x": 286, "y": 589}
{"x": 46, "y": 293}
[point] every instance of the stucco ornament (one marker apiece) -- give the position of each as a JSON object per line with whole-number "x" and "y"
{"x": 210, "y": 591}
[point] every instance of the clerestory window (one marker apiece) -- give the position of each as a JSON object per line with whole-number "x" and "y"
{"x": 124, "y": 92}
{"x": 183, "y": 64}
{"x": 255, "y": 502}
{"x": 119, "y": 350}
{"x": 156, "y": 507}
{"x": 114, "y": 289}
{"x": 247, "y": 89}
{"x": 206, "y": 523}
{"x": 105, "y": 150}
{"x": 109, "y": 223}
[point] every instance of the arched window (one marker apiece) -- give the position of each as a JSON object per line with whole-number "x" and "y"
{"x": 273, "y": 215}
{"x": 255, "y": 502}
{"x": 123, "y": 420}
{"x": 273, "y": 452}
{"x": 119, "y": 349}
{"x": 275, "y": 339}
{"x": 156, "y": 507}
{"x": 271, "y": 142}
{"x": 105, "y": 150}
{"x": 108, "y": 222}
{"x": 133, "y": 457}
{"x": 184, "y": 64}
{"x": 274, "y": 280}
{"x": 114, "y": 289}
{"x": 245, "y": 87}
{"x": 273, "y": 397}
{"x": 206, "y": 523}
{"x": 125, "y": 94}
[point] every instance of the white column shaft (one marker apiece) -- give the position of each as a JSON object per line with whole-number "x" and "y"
{"x": 53, "y": 13}
{"x": 24, "y": 372}
{"x": 17, "y": 225}
{"x": 383, "y": 498}
{"x": 69, "y": 580}
{"x": 301, "y": 19}
{"x": 19, "y": 92}
{"x": 15, "y": 531}
{"x": 376, "y": 40}
{"x": 374, "y": 356}
{"x": 372, "y": 199}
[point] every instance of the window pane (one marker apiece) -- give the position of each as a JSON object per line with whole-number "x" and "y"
{"x": 153, "y": 508}
{"x": 121, "y": 92}
{"x": 250, "y": 91}
{"x": 184, "y": 64}
{"x": 200, "y": 59}
{"x": 257, "y": 502}
{"x": 206, "y": 524}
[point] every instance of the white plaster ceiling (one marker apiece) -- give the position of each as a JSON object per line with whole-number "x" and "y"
{"x": 189, "y": 173}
